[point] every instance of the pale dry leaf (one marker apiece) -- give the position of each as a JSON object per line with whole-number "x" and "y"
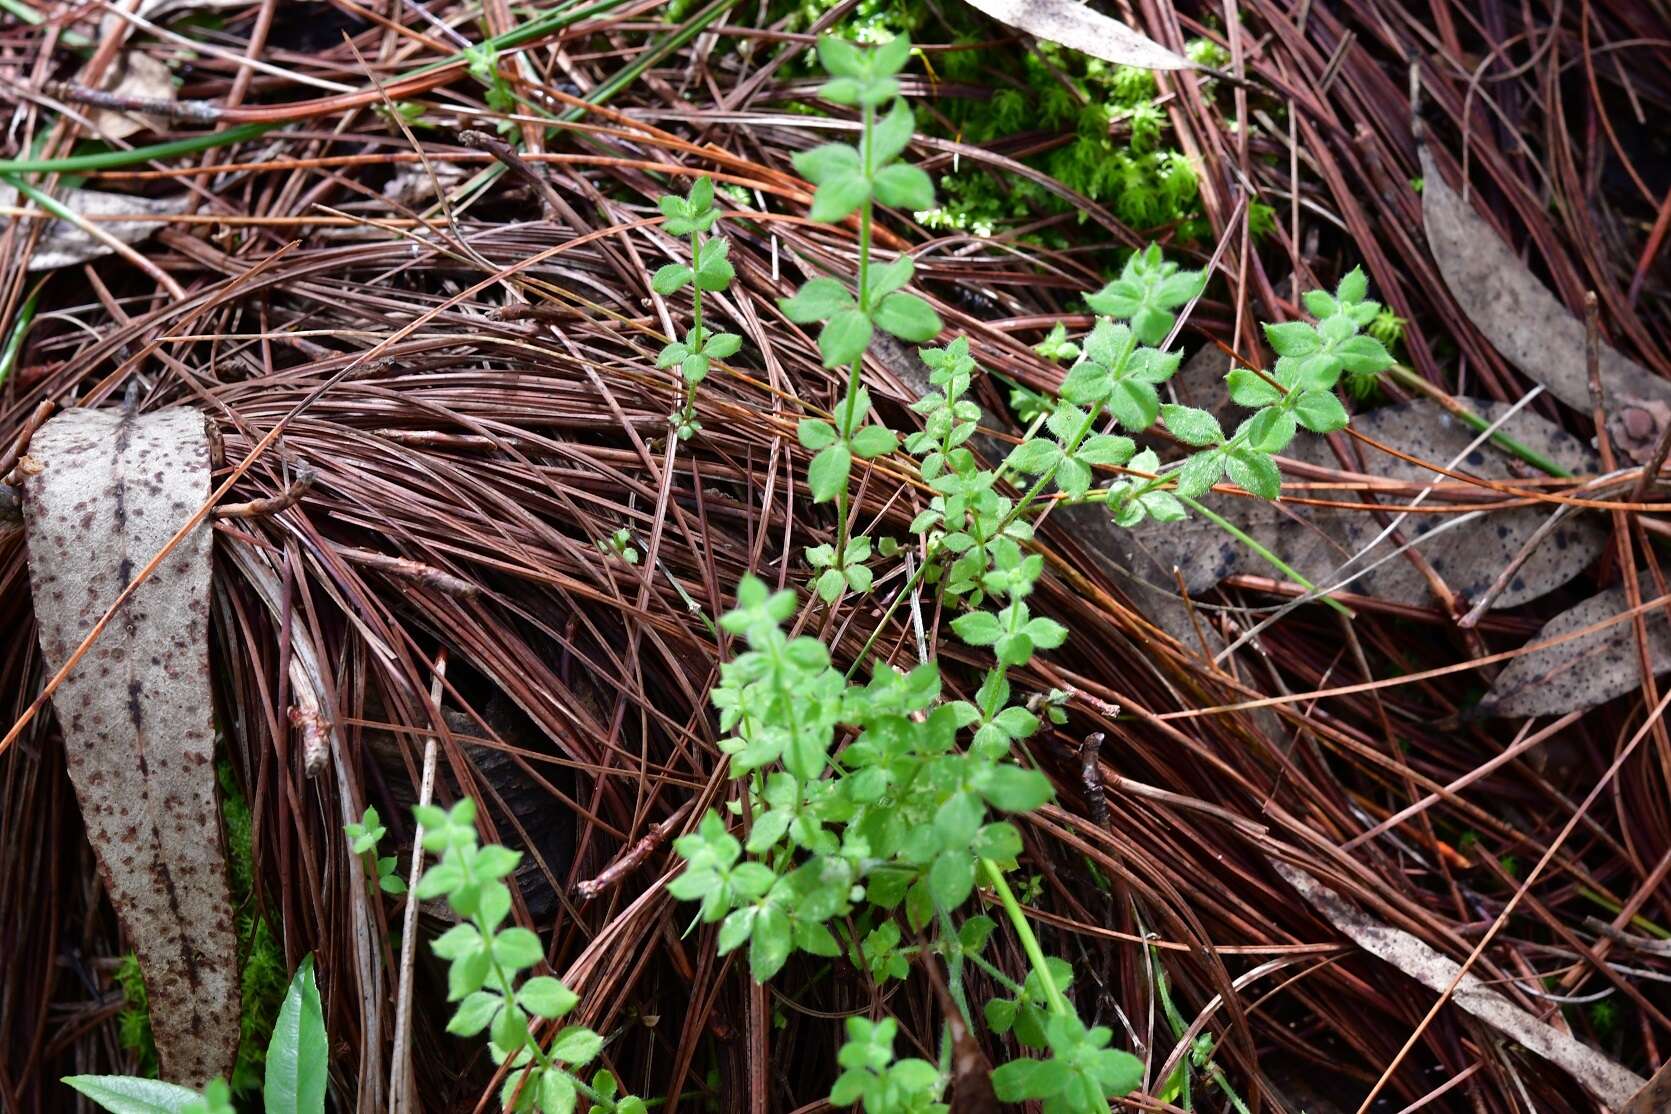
{"x": 136, "y": 711}
{"x": 1079, "y": 27}
{"x": 1583, "y": 671}
{"x": 64, "y": 245}
{"x": 139, "y": 76}
{"x": 1326, "y": 545}
{"x": 1609, "y": 1081}
{"x": 1524, "y": 321}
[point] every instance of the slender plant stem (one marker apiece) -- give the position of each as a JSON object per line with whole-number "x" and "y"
{"x": 1275, "y": 562}
{"x": 854, "y": 374}
{"x": 1024, "y": 930}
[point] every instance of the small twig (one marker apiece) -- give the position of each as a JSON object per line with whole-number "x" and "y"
{"x": 521, "y": 167}
{"x": 1489, "y": 596}
{"x": 400, "y": 1069}
{"x": 20, "y": 444}
{"x": 272, "y": 504}
{"x": 416, "y": 571}
{"x": 305, "y": 716}
{"x": 201, "y": 112}
{"x": 1629, "y": 940}
{"x": 633, "y": 857}
{"x": 1090, "y": 775}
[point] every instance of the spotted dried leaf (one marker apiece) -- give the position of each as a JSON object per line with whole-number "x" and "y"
{"x": 1525, "y": 322}
{"x": 136, "y": 715}
{"x": 1582, "y": 671}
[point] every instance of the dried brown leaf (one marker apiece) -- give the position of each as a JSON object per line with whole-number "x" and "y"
{"x": 1585, "y": 670}
{"x": 1518, "y": 314}
{"x": 136, "y": 712}
{"x": 1606, "y": 1079}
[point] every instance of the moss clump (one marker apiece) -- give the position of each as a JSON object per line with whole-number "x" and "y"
{"x": 264, "y": 977}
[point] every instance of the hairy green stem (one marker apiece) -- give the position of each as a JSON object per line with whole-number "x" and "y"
{"x": 843, "y": 496}
{"x": 1029, "y": 942}
{"x": 1271, "y": 558}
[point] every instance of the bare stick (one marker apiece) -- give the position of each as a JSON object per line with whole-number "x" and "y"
{"x": 400, "y": 1070}
{"x": 634, "y": 856}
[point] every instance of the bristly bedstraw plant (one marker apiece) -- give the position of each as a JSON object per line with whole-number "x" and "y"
{"x": 709, "y": 270}
{"x": 877, "y": 802}
{"x": 487, "y": 961}
{"x": 850, "y": 179}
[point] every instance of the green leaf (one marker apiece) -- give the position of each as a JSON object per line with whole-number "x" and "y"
{"x": 891, "y": 133}
{"x": 673, "y": 277}
{"x": 1192, "y": 426}
{"x": 891, "y": 56}
{"x": 1199, "y": 473}
{"x": 905, "y": 186}
{"x": 1354, "y": 285}
{"x": 845, "y": 337}
{"x": 815, "y": 434}
{"x": 978, "y": 628}
{"x": 1034, "y": 455}
{"x": 828, "y": 472}
{"x": 907, "y": 317}
{"x": 829, "y": 584}
{"x": 722, "y": 346}
{"x": 1073, "y": 477}
{"x": 1011, "y": 788}
{"x": 544, "y": 996}
{"x": 951, "y": 879}
{"x": 891, "y": 276}
{"x": 828, "y": 161}
{"x": 1256, "y": 473}
{"x": 127, "y": 1094}
{"x": 838, "y": 196}
{"x": 1364, "y": 355}
{"x": 576, "y": 1045}
{"x": 1270, "y": 430}
{"x": 1029, "y": 1079}
{"x": 1292, "y": 338}
{"x": 474, "y": 1013}
{"x": 817, "y": 300}
{"x": 873, "y": 441}
{"x": 770, "y": 942}
{"x": 1321, "y": 412}
{"x": 557, "y": 1093}
{"x": 1106, "y": 448}
{"x": 296, "y": 1055}
{"x": 517, "y": 948}
{"x": 1248, "y": 389}
{"x": 1135, "y": 404}
{"x": 841, "y": 58}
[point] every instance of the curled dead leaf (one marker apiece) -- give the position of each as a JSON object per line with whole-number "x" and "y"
{"x": 64, "y": 245}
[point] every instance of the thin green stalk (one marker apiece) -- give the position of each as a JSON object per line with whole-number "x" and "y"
{"x": 854, "y": 374}
{"x": 1024, "y": 930}
{"x": 157, "y": 152}
{"x": 1408, "y": 378}
{"x": 1275, "y": 562}
{"x": 19, "y": 330}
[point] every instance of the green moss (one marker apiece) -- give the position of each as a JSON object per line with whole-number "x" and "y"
{"x": 264, "y": 976}
{"x": 1116, "y": 139}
